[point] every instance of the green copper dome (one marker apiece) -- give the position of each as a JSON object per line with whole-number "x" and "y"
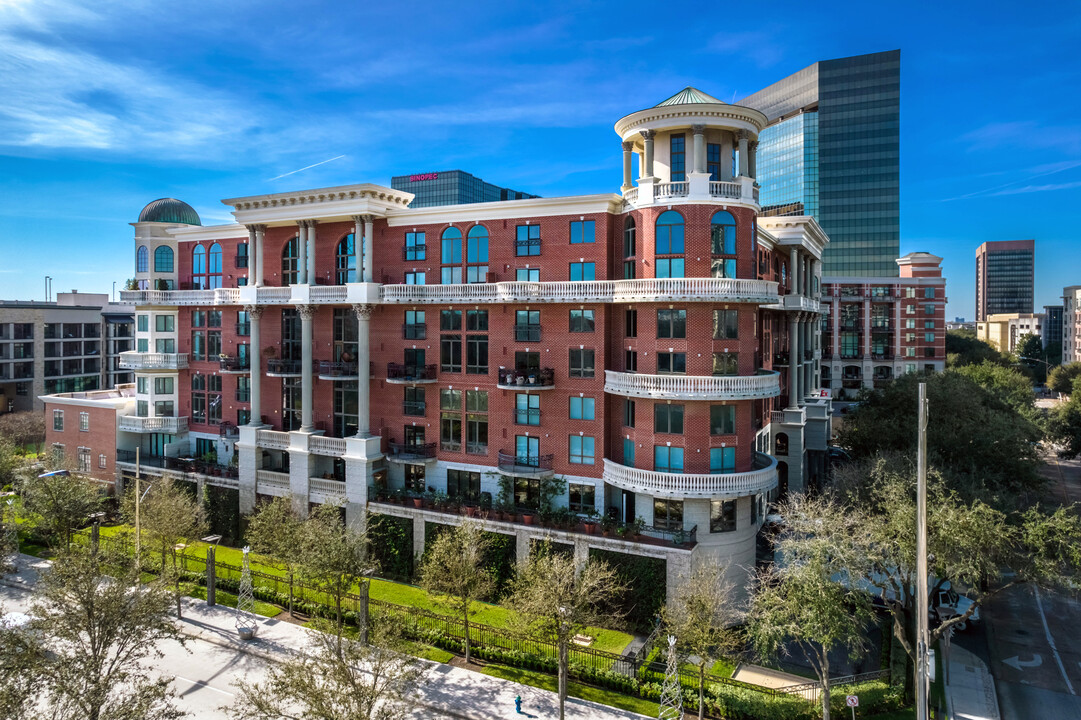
{"x": 690, "y": 96}
{"x": 170, "y": 210}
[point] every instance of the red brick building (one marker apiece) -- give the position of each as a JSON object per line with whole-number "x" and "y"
{"x": 82, "y": 427}
{"x": 653, "y": 349}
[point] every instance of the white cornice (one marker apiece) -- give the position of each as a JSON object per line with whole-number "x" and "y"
{"x": 728, "y": 117}
{"x": 508, "y": 210}
{"x": 802, "y": 230}
{"x": 194, "y": 233}
{"x": 113, "y": 402}
{"x": 328, "y": 204}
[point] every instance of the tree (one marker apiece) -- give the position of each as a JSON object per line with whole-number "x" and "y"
{"x": 131, "y": 284}
{"x": 1064, "y": 424}
{"x": 275, "y": 533}
{"x": 334, "y": 680}
{"x": 556, "y": 599}
{"x": 1062, "y": 378}
{"x": 455, "y": 567}
{"x": 102, "y": 632}
{"x": 171, "y": 516}
{"x": 24, "y": 428}
{"x": 974, "y": 434}
{"x": 20, "y": 654}
{"x": 799, "y": 602}
{"x": 60, "y": 504}
{"x": 11, "y": 462}
{"x": 964, "y": 348}
{"x": 1029, "y": 346}
{"x": 1006, "y": 383}
{"x": 703, "y": 617}
{"x": 333, "y": 556}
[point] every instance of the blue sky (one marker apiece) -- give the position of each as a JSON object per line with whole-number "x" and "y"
{"x": 109, "y": 105}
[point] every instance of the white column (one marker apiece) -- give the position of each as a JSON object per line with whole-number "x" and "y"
{"x": 311, "y": 252}
{"x": 699, "y": 148}
{"x": 254, "y": 313}
{"x": 866, "y": 326}
{"x": 793, "y": 360}
{"x": 369, "y": 267}
{"x": 358, "y": 246}
{"x": 302, "y": 247}
{"x": 249, "y": 458}
{"x": 836, "y": 328}
{"x": 364, "y": 323}
{"x": 253, "y": 267}
{"x": 647, "y": 137}
{"x": 744, "y": 137}
{"x": 793, "y": 270}
{"x": 814, "y": 275}
{"x": 726, "y": 156}
{"x": 752, "y": 158}
{"x": 260, "y": 242}
{"x": 307, "y": 313}
{"x": 628, "y": 149}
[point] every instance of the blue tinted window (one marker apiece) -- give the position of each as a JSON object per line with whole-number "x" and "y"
{"x": 582, "y": 408}
{"x": 670, "y": 268}
{"x": 583, "y": 231}
{"x": 452, "y": 246}
{"x": 163, "y": 259}
{"x": 477, "y": 250}
{"x": 722, "y": 460}
{"x": 669, "y": 233}
{"x": 722, "y": 232}
{"x": 583, "y": 271}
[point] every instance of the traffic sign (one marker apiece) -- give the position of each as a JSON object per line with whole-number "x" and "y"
{"x": 852, "y": 700}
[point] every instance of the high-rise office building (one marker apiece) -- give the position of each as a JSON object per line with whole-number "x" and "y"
{"x": 452, "y": 187}
{"x": 1052, "y": 326}
{"x": 832, "y": 150}
{"x": 1005, "y": 277}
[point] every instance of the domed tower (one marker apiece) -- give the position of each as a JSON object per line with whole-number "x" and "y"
{"x": 155, "y": 248}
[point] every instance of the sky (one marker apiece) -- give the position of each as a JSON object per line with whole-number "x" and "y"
{"x": 108, "y": 105}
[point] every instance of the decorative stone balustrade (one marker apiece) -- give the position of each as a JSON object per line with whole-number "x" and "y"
{"x": 131, "y": 360}
{"x": 170, "y": 425}
{"x": 674, "y": 485}
{"x": 764, "y": 384}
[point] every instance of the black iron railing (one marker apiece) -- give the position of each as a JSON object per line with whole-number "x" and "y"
{"x": 397, "y": 371}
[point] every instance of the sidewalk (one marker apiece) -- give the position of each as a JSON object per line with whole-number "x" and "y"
{"x": 970, "y": 693}
{"x": 448, "y": 690}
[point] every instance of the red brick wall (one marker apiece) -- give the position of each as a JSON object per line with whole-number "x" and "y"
{"x": 100, "y": 438}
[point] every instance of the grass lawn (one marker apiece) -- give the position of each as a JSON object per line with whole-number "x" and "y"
{"x": 497, "y": 616}
{"x": 908, "y": 714}
{"x": 723, "y": 668}
{"x": 550, "y": 682}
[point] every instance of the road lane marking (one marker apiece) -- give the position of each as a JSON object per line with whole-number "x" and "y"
{"x": 203, "y": 683}
{"x": 1017, "y": 663}
{"x": 1051, "y": 641}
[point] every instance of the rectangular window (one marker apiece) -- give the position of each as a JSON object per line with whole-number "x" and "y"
{"x": 58, "y": 420}
{"x": 713, "y": 161}
{"x": 630, "y": 361}
{"x": 450, "y": 432}
{"x": 670, "y": 267}
{"x": 84, "y": 459}
{"x": 450, "y": 353}
{"x": 929, "y": 352}
{"x": 527, "y": 326}
{"x": 84, "y": 422}
{"x": 628, "y": 452}
{"x": 628, "y": 270}
{"x": 928, "y": 309}
{"x": 630, "y": 323}
{"x": 477, "y": 424}
{"x": 910, "y": 292}
{"x": 583, "y": 271}
{"x": 582, "y": 497}
{"x": 163, "y": 386}
{"x": 672, "y": 363}
{"x": 722, "y": 419}
{"x": 929, "y": 337}
{"x": 928, "y": 324}
{"x": 450, "y": 320}
{"x": 581, "y": 363}
{"x": 672, "y": 324}
{"x": 527, "y": 240}
{"x": 722, "y": 515}
{"x": 725, "y": 324}
{"x": 163, "y": 323}
{"x": 910, "y": 324}
{"x": 678, "y": 146}
{"x": 103, "y": 462}
{"x": 463, "y": 484}
{"x": 451, "y": 276}
{"x": 141, "y": 384}
{"x": 527, "y": 274}
{"x": 243, "y": 388}
{"x": 414, "y": 278}
{"x": 722, "y": 268}
{"x": 628, "y": 413}
{"x": 143, "y": 323}
{"x": 476, "y": 274}
{"x": 581, "y": 449}
{"x": 668, "y": 419}
{"x": 526, "y": 490}
{"x": 929, "y": 293}
{"x": 243, "y": 323}
{"x": 476, "y": 320}
{"x": 415, "y": 247}
{"x": 526, "y": 409}
{"x": 476, "y": 354}
{"x": 582, "y": 231}
{"x": 414, "y": 401}
{"x": 450, "y": 400}
{"x": 725, "y": 363}
{"x": 667, "y": 514}
{"x": 667, "y": 459}
{"x": 582, "y": 321}
{"x": 582, "y": 408}
{"x": 414, "y": 327}
{"x": 163, "y": 408}
{"x": 722, "y": 460}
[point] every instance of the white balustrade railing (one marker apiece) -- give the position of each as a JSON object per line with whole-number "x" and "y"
{"x": 326, "y": 445}
{"x": 724, "y": 189}
{"x": 703, "y": 289}
{"x": 675, "y": 485}
{"x": 333, "y": 488}
{"x": 217, "y": 296}
{"x": 272, "y": 439}
{"x": 327, "y": 293}
{"x": 172, "y": 425}
{"x": 273, "y": 295}
{"x": 631, "y": 195}
{"x": 670, "y": 189}
{"x": 132, "y": 360}
{"x": 474, "y": 292}
{"x": 765, "y": 384}
{"x": 267, "y": 481}
{"x": 643, "y": 290}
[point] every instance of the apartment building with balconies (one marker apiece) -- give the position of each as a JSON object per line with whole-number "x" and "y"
{"x": 655, "y": 350}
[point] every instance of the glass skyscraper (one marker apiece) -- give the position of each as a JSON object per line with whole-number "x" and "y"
{"x": 452, "y": 187}
{"x": 832, "y": 150}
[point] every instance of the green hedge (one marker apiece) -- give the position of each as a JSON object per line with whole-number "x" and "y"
{"x": 390, "y": 542}
{"x": 222, "y": 506}
{"x": 646, "y": 580}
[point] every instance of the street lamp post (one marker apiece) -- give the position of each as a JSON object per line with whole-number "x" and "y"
{"x": 95, "y": 530}
{"x": 211, "y": 568}
{"x": 365, "y": 590}
{"x": 922, "y": 630}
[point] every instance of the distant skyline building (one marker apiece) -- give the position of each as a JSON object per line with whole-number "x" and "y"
{"x": 1071, "y": 324}
{"x": 1052, "y": 327}
{"x": 452, "y": 187}
{"x": 832, "y": 150}
{"x": 1005, "y": 277}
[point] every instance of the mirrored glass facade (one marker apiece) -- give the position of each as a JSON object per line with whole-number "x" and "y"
{"x": 854, "y": 139}
{"x": 452, "y": 187}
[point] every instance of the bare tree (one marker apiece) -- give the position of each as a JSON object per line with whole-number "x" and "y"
{"x": 171, "y": 516}
{"x": 60, "y": 503}
{"x": 334, "y": 680}
{"x": 100, "y": 632}
{"x": 275, "y": 533}
{"x": 703, "y": 618}
{"x": 24, "y": 428}
{"x": 454, "y": 567}
{"x": 20, "y": 654}
{"x": 559, "y": 600}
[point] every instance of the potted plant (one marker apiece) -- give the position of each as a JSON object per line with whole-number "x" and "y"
{"x": 428, "y": 497}
{"x": 590, "y": 522}
{"x": 608, "y": 524}
{"x": 635, "y": 529}
{"x": 532, "y": 379}
{"x": 520, "y": 380}
{"x": 418, "y": 501}
{"x": 529, "y": 516}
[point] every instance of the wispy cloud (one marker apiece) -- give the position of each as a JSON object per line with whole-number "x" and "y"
{"x": 309, "y": 167}
{"x": 1025, "y": 134}
{"x": 1037, "y": 188}
{"x": 761, "y": 47}
{"x": 1017, "y": 187}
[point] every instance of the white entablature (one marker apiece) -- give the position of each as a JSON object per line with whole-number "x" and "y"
{"x": 327, "y": 204}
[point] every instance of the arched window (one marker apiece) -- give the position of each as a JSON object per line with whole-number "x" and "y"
{"x": 214, "y": 266}
{"x": 477, "y": 250}
{"x": 290, "y": 261}
{"x": 451, "y": 251}
{"x": 722, "y": 234}
{"x": 669, "y": 241}
{"x": 346, "y": 261}
{"x": 163, "y": 259}
{"x": 198, "y": 268}
{"x": 630, "y": 248}
{"x": 780, "y": 444}
{"x": 142, "y": 259}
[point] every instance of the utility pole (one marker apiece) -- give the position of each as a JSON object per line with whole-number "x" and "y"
{"x": 922, "y": 633}
{"x": 138, "y": 538}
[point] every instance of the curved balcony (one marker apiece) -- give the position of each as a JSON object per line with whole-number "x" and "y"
{"x": 722, "y": 486}
{"x": 231, "y": 365}
{"x": 170, "y": 425}
{"x": 329, "y": 370}
{"x": 763, "y": 384}
{"x": 276, "y": 367}
{"x": 398, "y": 374}
{"x": 602, "y": 291}
{"x": 526, "y": 380}
{"x": 412, "y": 454}
{"x": 130, "y": 360}
{"x": 525, "y": 465}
